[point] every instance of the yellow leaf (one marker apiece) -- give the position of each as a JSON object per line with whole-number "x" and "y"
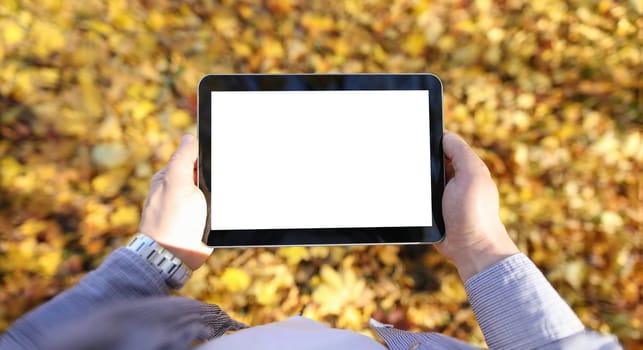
{"x": 11, "y": 6}
{"x": 293, "y": 254}
{"x": 27, "y": 182}
{"x": 142, "y": 109}
{"x": 521, "y": 154}
{"x": 319, "y": 252}
{"x": 10, "y": 170}
{"x": 225, "y": 23}
{"x": 94, "y": 220}
{"x": 452, "y": 289}
{"x": 109, "y": 183}
{"x": 198, "y": 282}
{"x": 48, "y": 262}
{"x": 633, "y": 146}
{"x": 379, "y": 54}
{"x": 180, "y": 119}
{"x": 351, "y": 317}
{"x": 575, "y": 272}
{"x": 241, "y": 49}
{"x": 46, "y": 38}
{"x": 496, "y": 35}
{"x": 126, "y": 215}
{"x": 611, "y": 222}
{"x": 266, "y": 293}
{"x": 526, "y": 101}
{"x": 317, "y": 23}
{"x": 47, "y": 77}
{"x": 121, "y": 17}
{"x": 340, "y": 289}
{"x": 155, "y": 20}
{"x": 110, "y": 155}
{"x": 32, "y": 227}
{"x": 280, "y": 7}
{"x": 109, "y": 129}
{"x": 273, "y": 49}
{"x": 388, "y": 254}
{"x": 12, "y": 33}
{"x": 23, "y": 81}
{"x": 330, "y": 276}
{"x": 90, "y": 94}
{"x": 27, "y": 248}
{"x": 414, "y": 44}
{"x": 72, "y": 122}
{"x": 235, "y": 280}
{"x": 100, "y": 27}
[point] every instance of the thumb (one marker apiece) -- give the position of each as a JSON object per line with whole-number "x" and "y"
{"x": 181, "y": 164}
{"x": 463, "y": 158}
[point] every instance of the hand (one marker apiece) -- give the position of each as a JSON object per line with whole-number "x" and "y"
{"x": 475, "y": 236}
{"x": 175, "y": 211}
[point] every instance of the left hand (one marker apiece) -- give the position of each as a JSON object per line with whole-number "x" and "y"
{"x": 175, "y": 211}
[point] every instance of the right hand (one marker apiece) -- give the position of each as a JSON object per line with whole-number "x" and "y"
{"x": 475, "y": 236}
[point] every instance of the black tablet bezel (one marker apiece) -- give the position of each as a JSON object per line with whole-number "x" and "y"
{"x": 305, "y": 82}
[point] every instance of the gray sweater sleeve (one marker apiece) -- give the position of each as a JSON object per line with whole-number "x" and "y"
{"x": 123, "y": 275}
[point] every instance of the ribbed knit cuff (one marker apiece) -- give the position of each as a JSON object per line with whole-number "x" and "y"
{"x": 124, "y": 274}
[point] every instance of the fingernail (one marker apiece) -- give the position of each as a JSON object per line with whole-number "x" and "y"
{"x": 187, "y": 139}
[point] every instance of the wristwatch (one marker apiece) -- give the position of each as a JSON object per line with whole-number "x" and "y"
{"x": 167, "y": 264}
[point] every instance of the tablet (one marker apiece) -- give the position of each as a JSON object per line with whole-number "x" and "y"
{"x": 321, "y": 159}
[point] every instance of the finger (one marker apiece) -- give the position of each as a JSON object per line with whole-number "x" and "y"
{"x": 463, "y": 158}
{"x": 181, "y": 164}
{"x": 156, "y": 179}
{"x": 159, "y": 175}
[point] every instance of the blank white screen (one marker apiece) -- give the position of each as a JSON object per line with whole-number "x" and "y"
{"x": 320, "y": 159}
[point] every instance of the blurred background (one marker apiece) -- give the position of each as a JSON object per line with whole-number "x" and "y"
{"x": 95, "y": 94}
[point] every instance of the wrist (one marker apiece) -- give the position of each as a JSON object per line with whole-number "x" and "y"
{"x": 171, "y": 267}
{"x": 476, "y": 259}
{"x": 191, "y": 258}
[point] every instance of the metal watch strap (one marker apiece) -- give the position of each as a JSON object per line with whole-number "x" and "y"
{"x": 174, "y": 271}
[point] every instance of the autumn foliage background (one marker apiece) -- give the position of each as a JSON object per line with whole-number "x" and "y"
{"x": 94, "y": 96}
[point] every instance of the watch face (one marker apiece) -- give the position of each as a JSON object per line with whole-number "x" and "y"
{"x": 321, "y": 159}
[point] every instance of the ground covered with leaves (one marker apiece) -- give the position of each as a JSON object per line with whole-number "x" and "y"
{"x": 94, "y": 96}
